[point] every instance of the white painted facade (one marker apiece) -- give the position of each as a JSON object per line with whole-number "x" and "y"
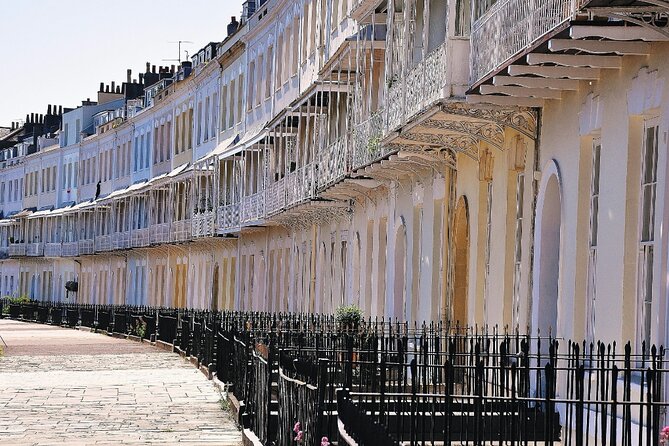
{"x": 379, "y": 153}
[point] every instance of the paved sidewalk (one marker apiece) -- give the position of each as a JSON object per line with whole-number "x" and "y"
{"x": 64, "y": 386}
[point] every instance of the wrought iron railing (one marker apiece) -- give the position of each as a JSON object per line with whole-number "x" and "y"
{"x": 511, "y": 26}
{"x": 228, "y": 217}
{"x": 17, "y": 249}
{"x": 70, "y": 249}
{"x": 203, "y": 223}
{"x": 367, "y": 137}
{"x": 53, "y": 250}
{"x": 332, "y": 162}
{"x": 35, "y": 249}
{"x": 181, "y": 231}
{"x": 86, "y": 247}
{"x": 159, "y": 233}
{"x": 413, "y": 92}
{"x": 275, "y": 197}
{"x": 102, "y": 243}
{"x": 140, "y": 237}
{"x": 120, "y": 240}
{"x": 300, "y": 185}
{"x": 253, "y": 207}
{"x": 405, "y": 384}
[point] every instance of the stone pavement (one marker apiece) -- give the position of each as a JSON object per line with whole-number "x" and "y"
{"x": 64, "y": 386}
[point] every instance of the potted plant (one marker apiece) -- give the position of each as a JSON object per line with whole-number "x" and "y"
{"x": 348, "y": 317}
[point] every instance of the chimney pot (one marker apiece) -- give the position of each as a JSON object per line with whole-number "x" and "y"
{"x": 106, "y": 88}
{"x": 113, "y": 86}
{"x": 153, "y": 69}
{"x": 48, "y": 109}
{"x": 128, "y": 75}
{"x": 102, "y": 87}
{"x": 172, "y": 69}
{"x": 60, "y": 110}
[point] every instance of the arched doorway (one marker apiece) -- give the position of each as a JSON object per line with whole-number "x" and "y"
{"x": 399, "y": 288}
{"x": 547, "y": 255}
{"x": 459, "y": 306}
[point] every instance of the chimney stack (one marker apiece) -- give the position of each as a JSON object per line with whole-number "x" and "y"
{"x": 233, "y": 26}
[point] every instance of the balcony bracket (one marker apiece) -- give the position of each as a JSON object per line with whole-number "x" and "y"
{"x": 523, "y": 120}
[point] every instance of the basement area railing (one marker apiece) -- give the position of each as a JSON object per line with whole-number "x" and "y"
{"x": 307, "y": 377}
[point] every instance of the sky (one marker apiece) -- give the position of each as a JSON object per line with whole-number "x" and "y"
{"x": 58, "y": 51}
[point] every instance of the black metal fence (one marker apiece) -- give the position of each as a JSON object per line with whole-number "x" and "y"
{"x": 302, "y": 378}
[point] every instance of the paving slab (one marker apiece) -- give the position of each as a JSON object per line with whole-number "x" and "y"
{"x": 64, "y": 386}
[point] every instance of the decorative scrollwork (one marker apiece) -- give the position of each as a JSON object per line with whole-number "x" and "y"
{"x": 522, "y": 120}
{"x": 651, "y": 14}
{"x": 490, "y": 132}
{"x": 457, "y": 143}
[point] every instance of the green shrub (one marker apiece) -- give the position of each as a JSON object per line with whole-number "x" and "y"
{"x": 9, "y": 300}
{"x": 348, "y": 317}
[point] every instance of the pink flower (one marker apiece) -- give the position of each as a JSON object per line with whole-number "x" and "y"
{"x": 299, "y": 437}
{"x": 325, "y": 441}
{"x": 297, "y": 427}
{"x": 664, "y": 435}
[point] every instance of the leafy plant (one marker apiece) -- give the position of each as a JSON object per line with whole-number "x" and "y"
{"x": 348, "y": 316}
{"x": 139, "y": 329}
{"x": 9, "y": 300}
{"x": 373, "y": 144}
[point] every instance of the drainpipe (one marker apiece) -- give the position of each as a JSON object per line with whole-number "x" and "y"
{"x": 535, "y": 193}
{"x": 314, "y": 259}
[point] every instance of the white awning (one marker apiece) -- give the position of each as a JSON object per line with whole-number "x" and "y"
{"x": 220, "y": 148}
{"x": 251, "y": 137}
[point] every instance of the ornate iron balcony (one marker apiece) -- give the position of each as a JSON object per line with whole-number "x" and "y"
{"x": 510, "y": 27}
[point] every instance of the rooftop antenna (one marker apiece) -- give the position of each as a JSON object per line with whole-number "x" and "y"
{"x": 179, "y": 42}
